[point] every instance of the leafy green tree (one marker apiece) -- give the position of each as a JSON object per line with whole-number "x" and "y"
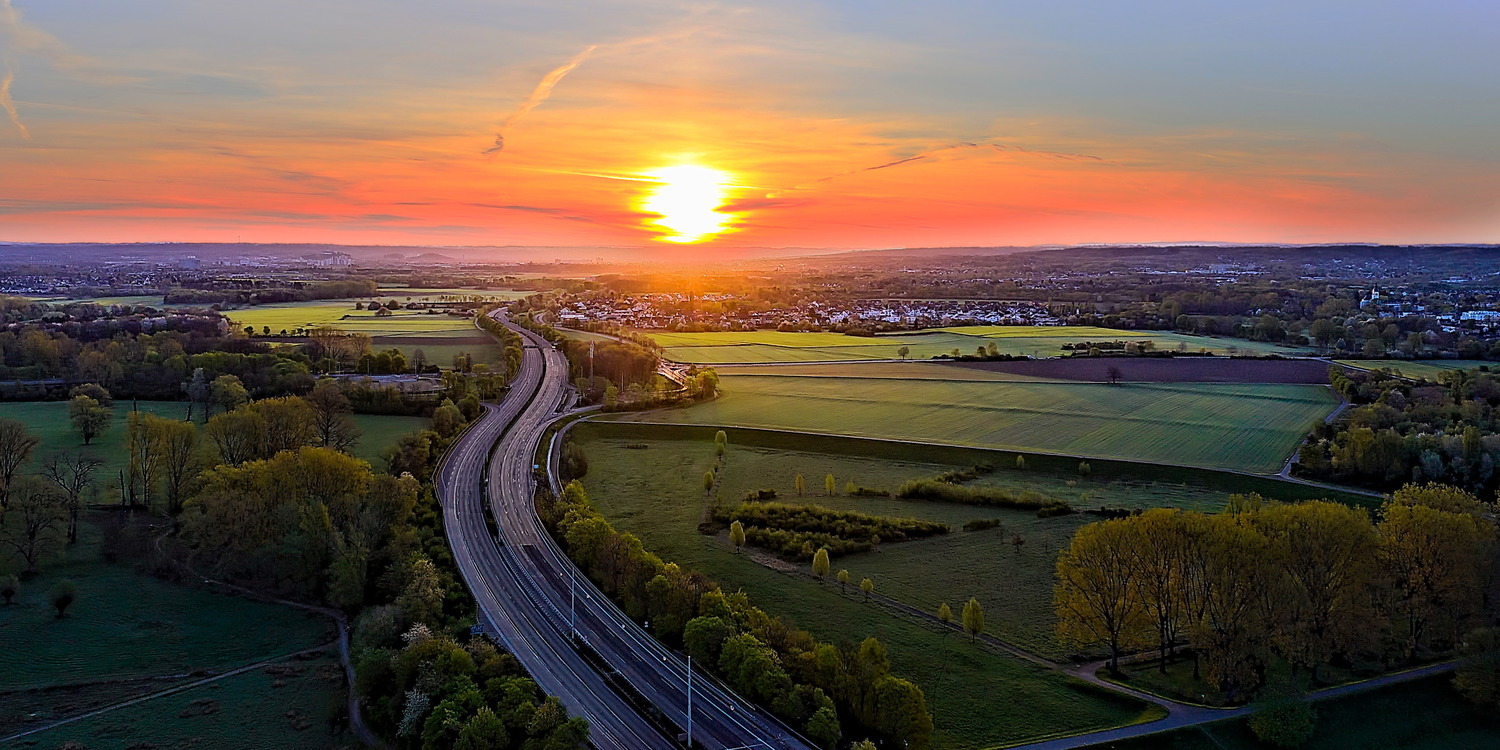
{"x": 843, "y": 576}
{"x": 1021, "y": 463}
{"x": 830, "y": 487}
{"x": 94, "y": 391}
{"x": 228, "y": 393}
{"x": 736, "y": 535}
{"x": 823, "y": 728}
{"x": 903, "y": 352}
{"x": 721, "y": 442}
{"x": 708, "y": 481}
{"x": 945, "y": 613}
{"x": 1478, "y": 675}
{"x": 868, "y": 586}
{"x": 820, "y": 563}
{"x": 88, "y": 417}
{"x": 973, "y": 618}
{"x": 801, "y": 485}
{"x": 1283, "y": 718}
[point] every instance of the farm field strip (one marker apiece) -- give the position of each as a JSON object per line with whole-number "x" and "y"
{"x": 1243, "y": 427}
{"x": 1422, "y": 368}
{"x": 748, "y": 347}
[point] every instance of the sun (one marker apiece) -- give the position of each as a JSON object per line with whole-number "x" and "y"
{"x": 686, "y": 201}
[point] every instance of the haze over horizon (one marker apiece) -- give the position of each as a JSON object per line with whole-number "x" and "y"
{"x": 826, "y": 124}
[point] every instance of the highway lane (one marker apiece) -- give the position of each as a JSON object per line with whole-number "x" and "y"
{"x": 720, "y": 718}
{"x": 505, "y": 608}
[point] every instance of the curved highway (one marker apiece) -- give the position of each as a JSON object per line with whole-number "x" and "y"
{"x": 531, "y": 597}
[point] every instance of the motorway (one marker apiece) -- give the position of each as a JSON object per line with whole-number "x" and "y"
{"x": 528, "y": 591}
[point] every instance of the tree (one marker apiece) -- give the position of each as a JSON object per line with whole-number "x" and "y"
{"x": 945, "y": 613}
{"x": 1283, "y": 718}
{"x": 421, "y": 598}
{"x": 737, "y": 536}
{"x": 843, "y": 577}
{"x": 1020, "y": 463}
{"x": 1097, "y": 598}
{"x": 198, "y": 392}
{"x": 88, "y": 417}
{"x": 447, "y": 421}
{"x": 16, "y": 445}
{"x": 228, "y": 393}
{"x": 973, "y": 618}
{"x": 801, "y": 485}
{"x": 333, "y": 416}
{"x": 177, "y": 449}
{"x": 830, "y": 487}
{"x": 708, "y": 481}
{"x": 1478, "y": 675}
{"x": 1113, "y": 374}
{"x": 903, "y": 352}
{"x": 144, "y": 451}
{"x": 1326, "y": 553}
{"x": 35, "y": 522}
{"x": 868, "y": 586}
{"x": 1436, "y": 563}
{"x": 94, "y": 391}
{"x": 1161, "y": 553}
{"x": 73, "y": 473}
{"x": 63, "y": 595}
{"x": 721, "y": 442}
{"x": 820, "y": 562}
{"x": 9, "y": 587}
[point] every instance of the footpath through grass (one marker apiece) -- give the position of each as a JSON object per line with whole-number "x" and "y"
{"x": 296, "y": 704}
{"x": 1244, "y": 426}
{"x": 1425, "y": 714}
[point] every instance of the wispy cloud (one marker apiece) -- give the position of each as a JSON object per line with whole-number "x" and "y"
{"x": 538, "y": 95}
{"x": 9, "y": 104}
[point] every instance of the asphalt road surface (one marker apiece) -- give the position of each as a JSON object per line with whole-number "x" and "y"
{"x": 533, "y": 599}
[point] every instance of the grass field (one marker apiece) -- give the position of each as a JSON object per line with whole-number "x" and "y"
{"x": 753, "y": 347}
{"x": 1014, "y": 584}
{"x": 979, "y": 698}
{"x": 128, "y": 635}
{"x": 1245, "y": 427}
{"x": 48, "y": 420}
{"x": 288, "y": 705}
{"x": 1429, "y": 369}
{"x": 1422, "y": 715}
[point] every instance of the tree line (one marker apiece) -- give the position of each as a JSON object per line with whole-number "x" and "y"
{"x": 1310, "y": 584}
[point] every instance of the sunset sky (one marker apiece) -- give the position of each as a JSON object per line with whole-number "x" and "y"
{"x": 749, "y": 124}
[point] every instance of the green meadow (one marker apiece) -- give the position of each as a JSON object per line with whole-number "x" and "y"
{"x": 1249, "y": 427}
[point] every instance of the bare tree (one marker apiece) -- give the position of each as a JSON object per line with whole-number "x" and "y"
{"x": 332, "y": 417}
{"x": 73, "y": 473}
{"x": 16, "y": 445}
{"x": 1113, "y": 374}
{"x": 37, "y": 514}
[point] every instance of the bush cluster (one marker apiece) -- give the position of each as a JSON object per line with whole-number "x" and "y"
{"x": 1045, "y": 506}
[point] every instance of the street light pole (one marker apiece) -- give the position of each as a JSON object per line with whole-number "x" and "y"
{"x": 690, "y": 702}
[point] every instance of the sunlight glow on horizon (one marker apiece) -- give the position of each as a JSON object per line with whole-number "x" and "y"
{"x": 685, "y": 202}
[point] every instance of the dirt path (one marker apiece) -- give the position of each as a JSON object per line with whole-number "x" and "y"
{"x": 164, "y": 693}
